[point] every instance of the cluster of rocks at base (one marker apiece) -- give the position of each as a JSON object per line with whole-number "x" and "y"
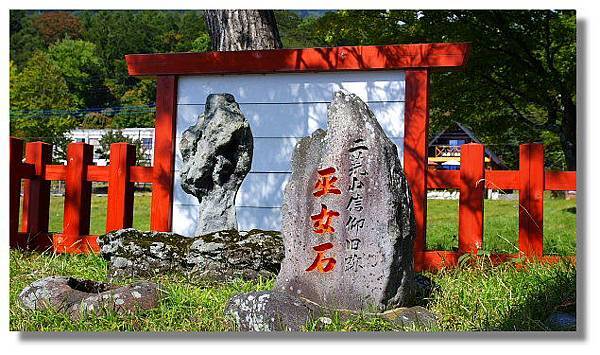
{"x": 77, "y": 297}
{"x": 222, "y": 255}
{"x": 267, "y": 311}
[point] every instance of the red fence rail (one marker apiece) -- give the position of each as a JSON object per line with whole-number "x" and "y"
{"x": 472, "y": 179}
{"x": 78, "y": 174}
{"x": 531, "y": 180}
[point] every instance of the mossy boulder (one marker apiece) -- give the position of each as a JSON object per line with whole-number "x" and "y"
{"x": 220, "y": 255}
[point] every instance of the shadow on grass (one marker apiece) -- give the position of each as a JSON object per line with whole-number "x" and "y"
{"x": 552, "y": 293}
{"x": 572, "y": 210}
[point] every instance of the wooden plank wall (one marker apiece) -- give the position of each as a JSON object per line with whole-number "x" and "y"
{"x": 281, "y": 109}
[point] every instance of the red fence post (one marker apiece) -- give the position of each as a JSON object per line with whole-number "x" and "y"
{"x": 36, "y": 197}
{"x": 164, "y": 154}
{"x": 416, "y": 122}
{"x": 16, "y": 155}
{"x": 119, "y": 209}
{"x": 531, "y": 199}
{"x": 470, "y": 210}
{"x": 78, "y": 193}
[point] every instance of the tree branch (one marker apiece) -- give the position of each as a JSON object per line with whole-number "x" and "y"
{"x": 549, "y": 125}
{"x": 513, "y": 90}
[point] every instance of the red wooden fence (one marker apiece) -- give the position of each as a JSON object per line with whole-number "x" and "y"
{"x": 472, "y": 179}
{"x": 78, "y": 174}
{"x": 531, "y": 180}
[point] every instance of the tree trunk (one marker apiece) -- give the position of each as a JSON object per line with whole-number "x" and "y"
{"x": 237, "y": 30}
{"x": 569, "y": 133}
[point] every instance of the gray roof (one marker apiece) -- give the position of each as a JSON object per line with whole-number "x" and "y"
{"x": 471, "y": 135}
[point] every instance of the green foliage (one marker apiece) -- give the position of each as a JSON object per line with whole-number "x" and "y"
{"x": 519, "y": 84}
{"x": 294, "y": 31}
{"x": 24, "y": 38}
{"x": 82, "y": 69}
{"x": 134, "y": 112}
{"x": 117, "y": 33}
{"x": 33, "y": 91}
{"x": 116, "y": 136}
{"x": 520, "y": 81}
{"x": 83, "y": 54}
{"x": 201, "y": 43}
{"x": 95, "y": 120}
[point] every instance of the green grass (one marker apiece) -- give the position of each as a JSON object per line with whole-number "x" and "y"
{"x": 501, "y": 226}
{"x": 477, "y": 298}
{"x": 141, "y": 213}
{"x": 474, "y": 298}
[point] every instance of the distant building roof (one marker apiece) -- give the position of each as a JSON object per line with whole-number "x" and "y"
{"x": 474, "y": 138}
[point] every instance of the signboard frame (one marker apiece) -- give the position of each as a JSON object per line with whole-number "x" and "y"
{"x": 417, "y": 60}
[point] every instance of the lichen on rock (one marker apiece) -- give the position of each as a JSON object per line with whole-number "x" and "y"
{"x": 221, "y": 255}
{"x": 79, "y": 298}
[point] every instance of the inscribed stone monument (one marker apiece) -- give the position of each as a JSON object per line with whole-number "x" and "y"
{"x": 348, "y": 223}
{"x": 348, "y": 230}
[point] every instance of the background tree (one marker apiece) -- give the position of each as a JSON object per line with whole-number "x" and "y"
{"x": 296, "y": 31}
{"x": 116, "y": 136}
{"x": 135, "y": 110}
{"x": 39, "y": 103}
{"x": 24, "y": 37}
{"x": 519, "y": 84}
{"x": 83, "y": 71}
{"x": 520, "y": 81}
{"x": 236, "y": 30}
{"x": 57, "y": 25}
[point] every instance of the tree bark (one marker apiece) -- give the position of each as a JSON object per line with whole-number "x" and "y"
{"x": 569, "y": 133}
{"x": 237, "y": 30}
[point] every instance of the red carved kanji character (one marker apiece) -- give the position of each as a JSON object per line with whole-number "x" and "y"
{"x": 323, "y": 220}
{"x": 325, "y": 184}
{"x": 322, "y": 264}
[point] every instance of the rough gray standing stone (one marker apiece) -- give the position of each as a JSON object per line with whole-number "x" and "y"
{"x": 79, "y": 297}
{"x": 220, "y": 255}
{"x": 217, "y": 154}
{"x": 372, "y": 241}
{"x": 348, "y": 228}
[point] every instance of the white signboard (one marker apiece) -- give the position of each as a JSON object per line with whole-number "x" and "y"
{"x": 281, "y": 109}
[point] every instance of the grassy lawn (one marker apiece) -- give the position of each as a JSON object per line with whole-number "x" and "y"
{"x": 471, "y": 299}
{"x": 141, "y": 213}
{"x": 501, "y": 226}
{"x": 474, "y": 298}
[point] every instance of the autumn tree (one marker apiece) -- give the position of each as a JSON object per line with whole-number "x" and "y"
{"x": 57, "y": 25}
